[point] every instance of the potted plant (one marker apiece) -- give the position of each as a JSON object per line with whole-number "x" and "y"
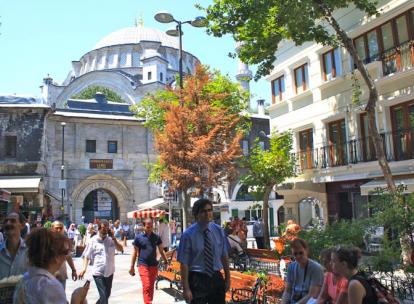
{"x": 80, "y": 247}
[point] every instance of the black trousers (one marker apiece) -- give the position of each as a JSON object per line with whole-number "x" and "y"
{"x": 260, "y": 242}
{"x": 104, "y": 286}
{"x": 207, "y": 290}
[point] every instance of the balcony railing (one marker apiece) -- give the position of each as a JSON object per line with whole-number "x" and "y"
{"x": 398, "y": 145}
{"x": 399, "y": 58}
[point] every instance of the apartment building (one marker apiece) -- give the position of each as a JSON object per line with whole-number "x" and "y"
{"x": 312, "y": 96}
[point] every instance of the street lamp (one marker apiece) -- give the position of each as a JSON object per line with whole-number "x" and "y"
{"x": 165, "y": 17}
{"x": 62, "y": 167}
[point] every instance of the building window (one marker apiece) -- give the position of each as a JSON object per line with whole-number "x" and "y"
{"x": 301, "y": 78}
{"x": 112, "y": 146}
{"x": 278, "y": 89}
{"x": 90, "y": 146}
{"x": 331, "y": 64}
{"x": 245, "y": 147}
{"x": 149, "y": 75}
{"x": 390, "y": 42}
{"x": 161, "y": 77}
{"x": 306, "y": 149}
{"x": 11, "y": 146}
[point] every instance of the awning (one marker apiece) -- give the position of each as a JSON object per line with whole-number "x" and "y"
{"x": 153, "y": 203}
{"x": 146, "y": 213}
{"x": 372, "y": 186}
{"x": 14, "y": 185}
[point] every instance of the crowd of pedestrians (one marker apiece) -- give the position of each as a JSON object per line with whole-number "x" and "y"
{"x": 41, "y": 255}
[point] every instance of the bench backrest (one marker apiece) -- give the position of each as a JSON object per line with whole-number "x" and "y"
{"x": 240, "y": 280}
{"x": 261, "y": 253}
{"x": 174, "y": 267}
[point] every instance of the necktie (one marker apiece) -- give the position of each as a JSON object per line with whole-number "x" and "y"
{"x": 208, "y": 254}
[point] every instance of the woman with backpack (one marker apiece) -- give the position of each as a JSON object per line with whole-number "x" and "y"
{"x": 345, "y": 262}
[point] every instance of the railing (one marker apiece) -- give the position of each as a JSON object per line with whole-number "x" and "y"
{"x": 398, "y": 145}
{"x": 398, "y": 58}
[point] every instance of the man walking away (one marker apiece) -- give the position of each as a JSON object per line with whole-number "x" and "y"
{"x": 101, "y": 251}
{"x": 258, "y": 232}
{"x": 13, "y": 252}
{"x": 203, "y": 252}
{"x": 61, "y": 275}
{"x": 164, "y": 233}
{"x": 145, "y": 247}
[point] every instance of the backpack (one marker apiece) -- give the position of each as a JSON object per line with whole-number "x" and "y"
{"x": 384, "y": 295}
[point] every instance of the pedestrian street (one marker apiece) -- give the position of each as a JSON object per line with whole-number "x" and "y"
{"x": 125, "y": 289}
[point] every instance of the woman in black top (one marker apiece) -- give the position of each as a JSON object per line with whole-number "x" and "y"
{"x": 345, "y": 262}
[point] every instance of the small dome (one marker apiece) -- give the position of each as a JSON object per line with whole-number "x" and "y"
{"x": 132, "y": 35}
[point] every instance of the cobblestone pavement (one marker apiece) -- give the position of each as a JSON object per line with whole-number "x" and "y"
{"x": 125, "y": 289}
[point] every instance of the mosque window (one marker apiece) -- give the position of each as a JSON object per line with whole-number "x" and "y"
{"x": 90, "y": 146}
{"x": 161, "y": 77}
{"x": 135, "y": 59}
{"x": 112, "y": 146}
{"x": 149, "y": 75}
{"x": 122, "y": 60}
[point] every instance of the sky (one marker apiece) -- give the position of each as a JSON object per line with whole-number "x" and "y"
{"x": 41, "y": 37}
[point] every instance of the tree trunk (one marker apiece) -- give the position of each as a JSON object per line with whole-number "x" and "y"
{"x": 185, "y": 207}
{"x": 266, "y": 234}
{"x": 373, "y": 94}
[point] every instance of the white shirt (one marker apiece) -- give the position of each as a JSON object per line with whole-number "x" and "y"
{"x": 40, "y": 287}
{"x": 163, "y": 229}
{"x": 1, "y": 238}
{"x": 101, "y": 253}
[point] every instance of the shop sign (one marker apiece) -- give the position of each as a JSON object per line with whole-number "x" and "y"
{"x": 101, "y": 164}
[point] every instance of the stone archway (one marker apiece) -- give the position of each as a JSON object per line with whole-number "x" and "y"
{"x": 310, "y": 209}
{"x": 101, "y": 181}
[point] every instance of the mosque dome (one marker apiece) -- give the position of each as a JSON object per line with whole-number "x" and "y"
{"x": 134, "y": 35}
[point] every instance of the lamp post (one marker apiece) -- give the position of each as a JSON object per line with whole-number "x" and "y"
{"x": 62, "y": 167}
{"x": 165, "y": 17}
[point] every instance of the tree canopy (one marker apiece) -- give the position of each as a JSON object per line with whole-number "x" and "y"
{"x": 262, "y": 24}
{"x": 268, "y": 168}
{"x": 89, "y": 93}
{"x": 197, "y": 131}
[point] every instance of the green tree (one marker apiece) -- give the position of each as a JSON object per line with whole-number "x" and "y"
{"x": 267, "y": 169}
{"x": 89, "y": 93}
{"x": 262, "y": 24}
{"x": 197, "y": 133}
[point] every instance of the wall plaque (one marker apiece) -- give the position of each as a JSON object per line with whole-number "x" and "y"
{"x": 100, "y": 164}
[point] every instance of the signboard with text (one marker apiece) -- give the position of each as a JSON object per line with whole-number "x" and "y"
{"x": 101, "y": 164}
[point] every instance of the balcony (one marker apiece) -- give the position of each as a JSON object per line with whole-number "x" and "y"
{"x": 398, "y": 59}
{"x": 398, "y": 146}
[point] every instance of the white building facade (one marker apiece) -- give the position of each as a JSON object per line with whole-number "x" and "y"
{"x": 312, "y": 96}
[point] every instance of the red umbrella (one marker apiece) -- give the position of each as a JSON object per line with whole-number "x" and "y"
{"x": 146, "y": 213}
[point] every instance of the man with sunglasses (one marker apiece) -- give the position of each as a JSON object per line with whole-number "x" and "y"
{"x": 13, "y": 252}
{"x": 203, "y": 252}
{"x": 304, "y": 276}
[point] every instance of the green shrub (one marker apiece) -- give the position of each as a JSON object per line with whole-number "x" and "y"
{"x": 47, "y": 225}
{"x": 344, "y": 232}
{"x": 82, "y": 229}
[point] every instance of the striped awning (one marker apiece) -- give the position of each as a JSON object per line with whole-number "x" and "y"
{"x": 146, "y": 213}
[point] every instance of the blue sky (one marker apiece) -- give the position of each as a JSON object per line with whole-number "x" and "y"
{"x": 44, "y": 36}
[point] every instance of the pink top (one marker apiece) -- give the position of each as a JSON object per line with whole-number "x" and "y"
{"x": 334, "y": 290}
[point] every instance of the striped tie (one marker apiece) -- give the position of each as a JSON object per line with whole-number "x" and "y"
{"x": 208, "y": 254}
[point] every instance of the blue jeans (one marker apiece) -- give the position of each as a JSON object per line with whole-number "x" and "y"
{"x": 104, "y": 286}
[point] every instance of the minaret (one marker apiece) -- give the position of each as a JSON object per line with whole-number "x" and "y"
{"x": 244, "y": 75}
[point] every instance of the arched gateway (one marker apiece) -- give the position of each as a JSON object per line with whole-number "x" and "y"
{"x": 110, "y": 194}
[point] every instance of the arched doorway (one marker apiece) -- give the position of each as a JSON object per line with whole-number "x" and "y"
{"x": 100, "y": 203}
{"x": 309, "y": 210}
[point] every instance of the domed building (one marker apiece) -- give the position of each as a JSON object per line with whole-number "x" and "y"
{"x": 92, "y": 139}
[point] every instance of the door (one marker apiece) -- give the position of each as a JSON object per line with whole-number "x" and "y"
{"x": 403, "y": 130}
{"x": 337, "y": 143}
{"x": 306, "y": 149}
